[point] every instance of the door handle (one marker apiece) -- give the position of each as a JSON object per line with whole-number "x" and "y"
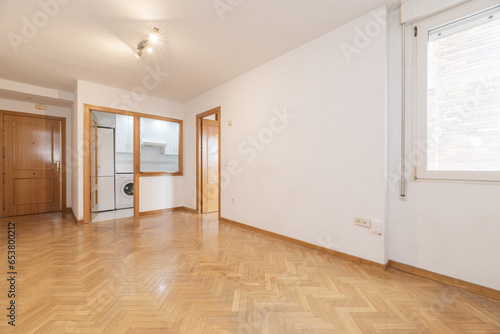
{"x": 58, "y": 166}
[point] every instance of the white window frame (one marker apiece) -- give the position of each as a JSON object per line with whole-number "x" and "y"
{"x": 420, "y": 55}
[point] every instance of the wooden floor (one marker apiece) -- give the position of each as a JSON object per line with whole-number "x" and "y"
{"x": 184, "y": 273}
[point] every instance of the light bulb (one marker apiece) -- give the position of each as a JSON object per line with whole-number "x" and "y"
{"x": 153, "y": 38}
{"x": 150, "y": 49}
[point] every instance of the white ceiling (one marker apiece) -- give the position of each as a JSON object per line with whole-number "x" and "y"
{"x": 95, "y": 40}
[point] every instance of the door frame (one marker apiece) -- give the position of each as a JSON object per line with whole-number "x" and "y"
{"x": 63, "y": 152}
{"x": 87, "y": 115}
{"x": 199, "y": 169}
{"x": 94, "y": 146}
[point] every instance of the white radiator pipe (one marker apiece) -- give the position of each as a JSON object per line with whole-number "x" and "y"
{"x": 403, "y": 112}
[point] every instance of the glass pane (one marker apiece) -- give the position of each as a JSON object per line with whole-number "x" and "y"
{"x": 463, "y": 114}
{"x": 159, "y": 146}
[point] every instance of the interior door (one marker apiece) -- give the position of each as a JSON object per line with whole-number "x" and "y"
{"x": 32, "y": 165}
{"x": 94, "y": 193}
{"x": 210, "y": 166}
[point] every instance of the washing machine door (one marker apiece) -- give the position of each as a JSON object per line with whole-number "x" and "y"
{"x": 127, "y": 189}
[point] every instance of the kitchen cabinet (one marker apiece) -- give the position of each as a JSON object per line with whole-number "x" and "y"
{"x": 152, "y": 132}
{"x": 161, "y": 134}
{"x": 172, "y": 138}
{"x": 124, "y": 134}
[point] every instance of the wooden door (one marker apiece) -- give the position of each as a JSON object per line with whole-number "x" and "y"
{"x": 94, "y": 193}
{"x": 210, "y": 166}
{"x": 32, "y": 165}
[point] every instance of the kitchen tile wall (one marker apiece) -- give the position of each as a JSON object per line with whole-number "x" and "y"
{"x": 124, "y": 162}
{"x": 153, "y": 160}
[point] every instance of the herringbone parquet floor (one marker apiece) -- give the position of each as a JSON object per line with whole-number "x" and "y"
{"x": 184, "y": 273}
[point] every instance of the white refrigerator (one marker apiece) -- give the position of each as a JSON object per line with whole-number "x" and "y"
{"x": 105, "y": 169}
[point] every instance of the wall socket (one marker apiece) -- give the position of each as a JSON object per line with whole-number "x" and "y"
{"x": 362, "y": 222}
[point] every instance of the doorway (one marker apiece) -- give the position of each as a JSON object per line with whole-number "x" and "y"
{"x": 33, "y": 165}
{"x": 208, "y": 158}
{"x": 112, "y": 166}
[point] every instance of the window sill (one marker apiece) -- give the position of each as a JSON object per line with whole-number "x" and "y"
{"x": 475, "y": 177}
{"x": 151, "y": 174}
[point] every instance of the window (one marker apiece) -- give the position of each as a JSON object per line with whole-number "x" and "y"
{"x": 160, "y": 146}
{"x": 458, "y": 94}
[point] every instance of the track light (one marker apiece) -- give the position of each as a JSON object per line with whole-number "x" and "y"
{"x": 147, "y": 43}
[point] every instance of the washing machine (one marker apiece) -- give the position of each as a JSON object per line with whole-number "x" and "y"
{"x": 124, "y": 191}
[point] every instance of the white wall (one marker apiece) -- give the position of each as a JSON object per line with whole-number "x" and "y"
{"x": 98, "y": 95}
{"x": 328, "y": 164}
{"x": 20, "y": 106}
{"x": 450, "y": 228}
{"x": 163, "y": 192}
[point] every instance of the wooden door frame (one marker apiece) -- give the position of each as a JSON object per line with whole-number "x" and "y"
{"x": 87, "y": 191}
{"x": 63, "y": 151}
{"x": 94, "y": 146}
{"x": 87, "y": 110}
{"x": 199, "y": 138}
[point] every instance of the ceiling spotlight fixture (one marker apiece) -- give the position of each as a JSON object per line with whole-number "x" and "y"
{"x": 153, "y": 37}
{"x": 147, "y": 43}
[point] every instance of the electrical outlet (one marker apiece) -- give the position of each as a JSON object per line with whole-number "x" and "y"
{"x": 362, "y": 222}
{"x": 377, "y": 228}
